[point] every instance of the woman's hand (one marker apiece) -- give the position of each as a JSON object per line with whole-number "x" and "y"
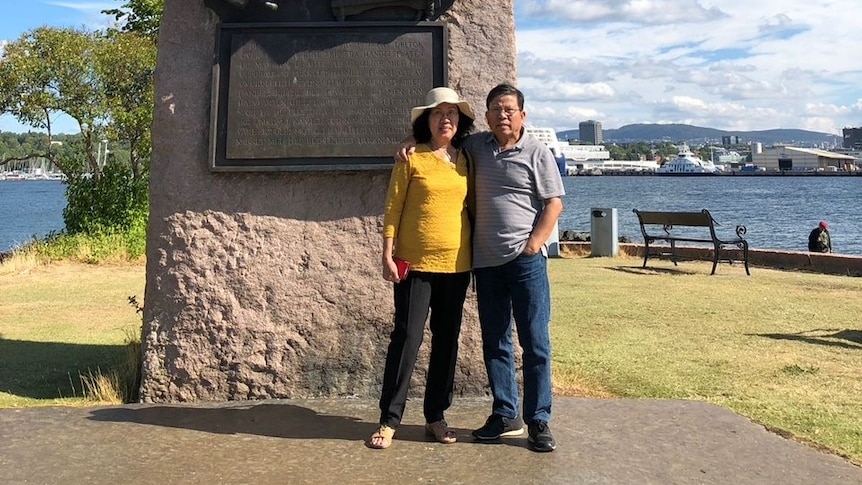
{"x": 390, "y": 270}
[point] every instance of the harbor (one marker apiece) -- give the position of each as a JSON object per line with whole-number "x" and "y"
{"x": 778, "y": 212}
{"x": 767, "y": 205}
{"x": 617, "y": 171}
{"x": 581, "y": 158}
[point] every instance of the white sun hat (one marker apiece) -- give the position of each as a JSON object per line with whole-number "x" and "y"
{"x": 442, "y": 95}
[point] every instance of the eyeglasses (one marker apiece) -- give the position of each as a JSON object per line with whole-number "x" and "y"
{"x": 508, "y": 112}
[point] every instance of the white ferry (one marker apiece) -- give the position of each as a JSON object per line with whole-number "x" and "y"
{"x": 574, "y": 154}
{"x": 687, "y": 163}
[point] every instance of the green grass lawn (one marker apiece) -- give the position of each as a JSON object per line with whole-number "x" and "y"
{"x": 782, "y": 348}
{"x": 61, "y": 322}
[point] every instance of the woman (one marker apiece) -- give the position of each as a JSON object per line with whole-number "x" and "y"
{"x": 426, "y": 223}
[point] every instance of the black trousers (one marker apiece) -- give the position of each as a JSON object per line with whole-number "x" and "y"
{"x": 443, "y": 294}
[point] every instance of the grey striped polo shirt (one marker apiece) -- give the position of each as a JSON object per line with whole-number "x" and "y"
{"x": 511, "y": 187}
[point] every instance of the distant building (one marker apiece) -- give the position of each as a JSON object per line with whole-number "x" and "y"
{"x": 729, "y": 140}
{"x": 590, "y": 131}
{"x": 853, "y": 138}
{"x": 728, "y": 158}
{"x": 802, "y": 159}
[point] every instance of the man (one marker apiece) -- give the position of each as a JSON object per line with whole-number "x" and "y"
{"x": 518, "y": 198}
{"x": 819, "y": 240}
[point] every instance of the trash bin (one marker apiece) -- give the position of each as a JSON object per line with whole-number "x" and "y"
{"x": 604, "y": 240}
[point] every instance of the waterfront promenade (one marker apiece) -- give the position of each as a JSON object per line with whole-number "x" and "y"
{"x": 600, "y": 441}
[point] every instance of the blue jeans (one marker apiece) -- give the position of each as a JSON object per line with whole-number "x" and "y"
{"x": 518, "y": 288}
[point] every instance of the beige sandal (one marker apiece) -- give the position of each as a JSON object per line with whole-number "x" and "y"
{"x": 382, "y": 438}
{"x": 441, "y": 432}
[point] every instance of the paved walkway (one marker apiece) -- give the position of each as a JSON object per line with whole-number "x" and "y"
{"x": 322, "y": 442}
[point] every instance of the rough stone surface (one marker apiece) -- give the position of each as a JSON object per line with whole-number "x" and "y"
{"x": 267, "y": 285}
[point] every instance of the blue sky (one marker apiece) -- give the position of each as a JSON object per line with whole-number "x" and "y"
{"x": 724, "y": 64}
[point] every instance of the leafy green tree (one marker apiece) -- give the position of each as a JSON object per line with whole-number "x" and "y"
{"x": 642, "y": 150}
{"x": 104, "y": 81}
{"x": 140, "y": 16}
{"x": 617, "y": 152}
{"x": 48, "y": 71}
{"x": 125, "y": 67}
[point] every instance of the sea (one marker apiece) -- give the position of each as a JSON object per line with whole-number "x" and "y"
{"x": 777, "y": 212}
{"x": 30, "y": 209}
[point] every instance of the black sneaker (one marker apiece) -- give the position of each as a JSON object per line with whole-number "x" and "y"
{"x": 497, "y": 426}
{"x": 540, "y": 437}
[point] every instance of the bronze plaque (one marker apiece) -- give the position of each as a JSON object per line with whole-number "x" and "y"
{"x": 323, "y": 96}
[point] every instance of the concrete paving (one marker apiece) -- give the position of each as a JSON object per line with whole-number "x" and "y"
{"x": 323, "y": 442}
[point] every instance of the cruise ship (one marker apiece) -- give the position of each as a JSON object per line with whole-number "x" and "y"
{"x": 687, "y": 163}
{"x": 573, "y": 153}
{"x": 587, "y": 159}
{"x": 576, "y": 156}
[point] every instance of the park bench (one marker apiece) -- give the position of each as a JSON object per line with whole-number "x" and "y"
{"x": 660, "y": 226}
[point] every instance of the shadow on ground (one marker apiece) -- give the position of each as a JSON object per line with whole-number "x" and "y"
{"x": 673, "y": 270}
{"x": 832, "y": 337}
{"x": 273, "y": 420}
{"x": 50, "y": 370}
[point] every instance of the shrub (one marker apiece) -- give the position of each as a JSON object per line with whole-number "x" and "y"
{"x": 114, "y": 200}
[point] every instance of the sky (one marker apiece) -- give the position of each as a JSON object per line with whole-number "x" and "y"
{"x": 725, "y": 64}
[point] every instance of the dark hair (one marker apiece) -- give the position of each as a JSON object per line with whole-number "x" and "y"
{"x": 422, "y": 128}
{"x": 503, "y": 90}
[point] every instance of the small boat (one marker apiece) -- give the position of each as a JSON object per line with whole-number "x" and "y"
{"x": 15, "y": 175}
{"x": 687, "y": 163}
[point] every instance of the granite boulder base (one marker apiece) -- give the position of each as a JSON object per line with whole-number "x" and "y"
{"x": 267, "y": 284}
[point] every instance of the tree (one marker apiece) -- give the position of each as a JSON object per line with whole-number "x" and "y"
{"x": 49, "y": 71}
{"x": 125, "y": 67}
{"x": 140, "y": 16}
{"x": 102, "y": 80}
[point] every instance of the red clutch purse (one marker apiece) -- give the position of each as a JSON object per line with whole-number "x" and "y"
{"x": 403, "y": 268}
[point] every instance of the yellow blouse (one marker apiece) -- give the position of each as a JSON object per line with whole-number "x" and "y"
{"x": 426, "y": 213}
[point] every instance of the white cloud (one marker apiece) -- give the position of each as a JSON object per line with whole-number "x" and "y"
{"x": 636, "y": 11}
{"x": 91, "y": 12}
{"x": 723, "y": 64}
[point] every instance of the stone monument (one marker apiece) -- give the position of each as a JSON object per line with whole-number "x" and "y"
{"x": 263, "y": 248}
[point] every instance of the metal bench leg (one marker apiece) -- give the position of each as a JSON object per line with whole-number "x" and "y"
{"x": 646, "y": 252}
{"x": 745, "y": 257}
{"x": 673, "y": 252}
{"x": 715, "y": 259}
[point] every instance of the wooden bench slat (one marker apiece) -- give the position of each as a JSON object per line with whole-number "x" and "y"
{"x": 696, "y": 219}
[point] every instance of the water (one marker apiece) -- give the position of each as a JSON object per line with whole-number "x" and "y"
{"x": 28, "y": 209}
{"x": 778, "y": 212}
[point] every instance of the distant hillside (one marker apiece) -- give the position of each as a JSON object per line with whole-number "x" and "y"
{"x": 696, "y": 134}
